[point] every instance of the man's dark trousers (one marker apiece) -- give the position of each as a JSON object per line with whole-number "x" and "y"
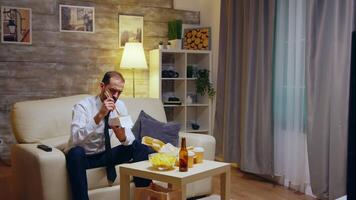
{"x": 78, "y": 162}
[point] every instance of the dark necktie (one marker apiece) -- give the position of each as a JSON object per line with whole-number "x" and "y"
{"x": 110, "y": 166}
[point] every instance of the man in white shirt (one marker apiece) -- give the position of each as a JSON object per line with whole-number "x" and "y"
{"x": 89, "y": 143}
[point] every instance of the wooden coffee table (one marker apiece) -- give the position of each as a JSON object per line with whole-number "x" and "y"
{"x": 177, "y": 179}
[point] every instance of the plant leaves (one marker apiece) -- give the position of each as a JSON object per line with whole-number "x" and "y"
{"x": 203, "y": 85}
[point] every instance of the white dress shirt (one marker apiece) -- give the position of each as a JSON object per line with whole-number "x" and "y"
{"x": 89, "y": 135}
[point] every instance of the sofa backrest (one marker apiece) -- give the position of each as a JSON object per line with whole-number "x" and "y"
{"x": 37, "y": 120}
{"x": 33, "y": 121}
{"x": 151, "y": 106}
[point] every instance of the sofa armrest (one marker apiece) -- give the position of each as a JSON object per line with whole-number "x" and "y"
{"x": 201, "y": 140}
{"x": 39, "y": 174}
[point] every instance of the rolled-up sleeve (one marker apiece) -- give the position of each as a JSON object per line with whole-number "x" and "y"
{"x": 82, "y": 124}
{"x": 129, "y": 137}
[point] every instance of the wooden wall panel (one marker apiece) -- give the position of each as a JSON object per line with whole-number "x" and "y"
{"x": 61, "y": 64}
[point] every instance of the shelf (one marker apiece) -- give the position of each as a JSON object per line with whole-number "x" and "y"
{"x": 179, "y": 79}
{"x": 173, "y": 105}
{"x": 199, "y": 108}
{"x": 197, "y": 131}
{"x": 182, "y": 51}
{"x": 198, "y": 104}
{"x": 188, "y": 105}
{"x": 173, "y": 79}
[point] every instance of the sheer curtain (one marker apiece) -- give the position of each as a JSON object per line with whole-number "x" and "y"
{"x": 289, "y": 102}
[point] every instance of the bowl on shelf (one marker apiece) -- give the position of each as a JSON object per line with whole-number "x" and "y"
{"x": 162, "y": 161}
{"x": 195, "y": 126}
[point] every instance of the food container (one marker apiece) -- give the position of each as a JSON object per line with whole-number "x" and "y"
{"x": 162, "y": 161}
{"x": 199, "y": 154}
{"x": 191, "y": 156}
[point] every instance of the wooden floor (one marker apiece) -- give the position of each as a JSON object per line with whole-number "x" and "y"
{"x": 243, "y": 186}
{"x": 5, "y": 183}
{"x": 247, "y": 186}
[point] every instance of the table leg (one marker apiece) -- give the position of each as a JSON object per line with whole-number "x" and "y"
{"x": 182, "y": 188}
{"x": 184, "y": 192}
{"x": 225, "y": 184}
{"x": 124, "y": 186}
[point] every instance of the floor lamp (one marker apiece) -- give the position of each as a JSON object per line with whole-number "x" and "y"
{"x": 133, "y": 58}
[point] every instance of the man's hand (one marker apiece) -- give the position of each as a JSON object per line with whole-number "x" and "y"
{"x": 119, "y": 132}
{"x": 107, "y": 106}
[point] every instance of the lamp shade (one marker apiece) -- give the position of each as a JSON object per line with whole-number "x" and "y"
{"x": 133, "y": 56}
{"x": 12, "y": 26}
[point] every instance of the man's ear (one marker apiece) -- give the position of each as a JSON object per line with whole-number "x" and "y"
{"x": 102, "y": 85}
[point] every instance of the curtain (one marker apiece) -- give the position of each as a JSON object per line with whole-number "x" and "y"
{"x": 289, "y": 107}
{"x": 243, "y": 118}
{"x": 328, "y": 45}
{"x": 244, "y": 123}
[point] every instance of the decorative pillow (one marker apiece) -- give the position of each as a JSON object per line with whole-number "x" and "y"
{"x": 136, "y": 129}
{"x": 166, "y": 132}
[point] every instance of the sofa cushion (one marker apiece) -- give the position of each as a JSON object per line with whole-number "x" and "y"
{"x": 166, "y": 132}
{"x": 136, "y": 129}
{"x": 57, "y": 142}
{"x": 146, "y": 125}
{"x": 97, "y": 177}
{"x": 33, "y": 121}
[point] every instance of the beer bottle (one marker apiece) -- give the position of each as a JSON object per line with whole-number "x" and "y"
{"x": 183, "y": 156}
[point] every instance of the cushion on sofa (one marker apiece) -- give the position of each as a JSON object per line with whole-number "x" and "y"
{"x": 57, "y": 142}
{"x": 146, "y": 125}
{"x": 97, "y": 177}
{"x": 37, "y": 120}
{"x": 166, "y": 132}
{"x": 136, "y": 129}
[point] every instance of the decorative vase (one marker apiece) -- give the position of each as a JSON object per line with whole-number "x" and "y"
{"x": 176, "y": 44}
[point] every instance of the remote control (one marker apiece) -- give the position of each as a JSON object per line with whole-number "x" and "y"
{"x": 44, "y": 147}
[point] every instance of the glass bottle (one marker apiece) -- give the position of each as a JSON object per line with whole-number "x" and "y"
{"x": 183, "y": 156}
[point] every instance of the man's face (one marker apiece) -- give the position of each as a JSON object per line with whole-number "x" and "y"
{"x": 113, "y": 89}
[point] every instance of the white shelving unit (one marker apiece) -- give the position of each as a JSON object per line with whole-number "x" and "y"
{"x": 198, "y": 111}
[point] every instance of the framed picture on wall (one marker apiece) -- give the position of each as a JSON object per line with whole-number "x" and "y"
{"x": 76, "y": 19}
{"x": 16, "y": 25}
{"x": 130, "y": 29}
{"x": 197, "y": 38}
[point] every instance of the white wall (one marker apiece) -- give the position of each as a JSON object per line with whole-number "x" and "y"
{"x": 209, "y": 16}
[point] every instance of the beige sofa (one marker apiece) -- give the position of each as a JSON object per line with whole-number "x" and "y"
{"x": 43, "y": 175}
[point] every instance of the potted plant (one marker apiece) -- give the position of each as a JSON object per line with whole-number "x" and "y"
{"x": 189, "y": 71}
{"x": 203, "y": 84}
{"x": 169, "y": 46}
{"x": 175, "y": 33}
{"x": 160, "y": 45}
